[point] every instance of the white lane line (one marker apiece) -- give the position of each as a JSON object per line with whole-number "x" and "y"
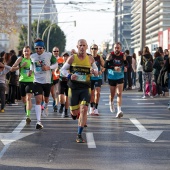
{"x": 90, "y": 140}
{"x": 146, "y": 103}
{"x": 4, "y": 150}
{"x": 139, "y": 99}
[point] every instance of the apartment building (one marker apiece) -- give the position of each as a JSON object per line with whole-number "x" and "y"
{"x": 157, "y": 24}
{"x": 122, "y": 28}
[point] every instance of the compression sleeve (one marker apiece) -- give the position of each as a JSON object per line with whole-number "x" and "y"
{"x": 94, "y": 66}
{"x": 64, "y": 69}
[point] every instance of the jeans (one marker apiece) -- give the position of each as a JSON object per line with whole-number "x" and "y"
{"x": 140, "y": 80}
{"x": 133, "y": 78}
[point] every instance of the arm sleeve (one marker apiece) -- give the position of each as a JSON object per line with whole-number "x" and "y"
{"x": 64, "y": 69}
{"x": 94, "y": 66}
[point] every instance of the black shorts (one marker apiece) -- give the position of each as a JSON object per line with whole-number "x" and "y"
{"x": 40, "y": 88}
{"x": 115, "y": 82}
{"x": 96, "y": 83}
{"x": 63, "y": 88}
{"x": 78, "y": 97}
{"x": 26, "y": 87}
{"x": 55, "y": 81}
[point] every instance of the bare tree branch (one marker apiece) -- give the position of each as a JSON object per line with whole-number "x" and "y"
{"x": 8, "y": 17}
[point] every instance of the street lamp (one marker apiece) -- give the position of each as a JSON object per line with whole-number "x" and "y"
{"x": 29, "y": 23}
{"x": 49, "y": 27}
{"x": 38, "y": 22}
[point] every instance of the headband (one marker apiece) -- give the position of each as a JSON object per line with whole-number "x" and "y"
{"x": 39, "y": 43}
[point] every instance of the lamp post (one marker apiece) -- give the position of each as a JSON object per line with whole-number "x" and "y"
{"x": 49, "y": 27}
{"x": 143, "y": 24}
{"x": 29, "y": 23}
{"x": 38, "y": 22}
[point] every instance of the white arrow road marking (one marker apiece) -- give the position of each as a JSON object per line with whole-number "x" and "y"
{"x": 8, "y": 138}
{"x": 151, "y": 135}
{"x": 90, "y": 140}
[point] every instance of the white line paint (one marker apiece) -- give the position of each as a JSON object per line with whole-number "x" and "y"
{"x": 90, "y": 140}
{"x": 138, "y": 124}
{"x": 4, "y": 150}
{"x": 139, "y": 99}
{"x": 8, "y": 138}
{"x": 146, "y": 103}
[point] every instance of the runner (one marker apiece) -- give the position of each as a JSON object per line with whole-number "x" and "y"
{"x": 63, "y": 90}
{"x": 25, "y": 81}
{"x": 96, "y": 81}
{"x": 55, "y": 77}
{"x": 41, "y": 64}
{"x": 115, "y": 63}
{"x": 81, "y": 67}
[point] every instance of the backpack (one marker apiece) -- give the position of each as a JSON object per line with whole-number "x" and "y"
{"x": 148, "y": 65}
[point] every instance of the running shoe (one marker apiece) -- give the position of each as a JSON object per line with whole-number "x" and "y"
{"x": 61, "y": 110}
{"x": 39, "y": 125}
{"x": 144, "y": 97}
{"x": 55, "y": 108}
{"x": 2, "y": 110}
{"x": 112, "y": 108}
{"x": 28, "y": 120}
{"x": 73, "y": 117}
{"x": 64, "y": 115}
{"x": 91, "y": 111}
{"x": 96, "y": 113}
{"x": 119, "y": 114}
{"x": 79, "y": 139}
{"x": 44, "y": 112}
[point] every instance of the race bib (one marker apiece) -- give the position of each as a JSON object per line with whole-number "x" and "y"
{"x": 81, "y": 78}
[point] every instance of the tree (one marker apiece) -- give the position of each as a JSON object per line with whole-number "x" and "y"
{"x": 57, "y": 36}
{"x": 8, "y": 17}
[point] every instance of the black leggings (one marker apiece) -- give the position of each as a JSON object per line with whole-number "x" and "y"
{"x": 12, "y": 93}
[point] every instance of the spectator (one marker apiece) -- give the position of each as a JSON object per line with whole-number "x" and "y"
{"x": 140, "y": 70}
{"x": 134, "y": 71}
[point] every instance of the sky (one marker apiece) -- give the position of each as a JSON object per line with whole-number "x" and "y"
{"x": 94, "y": 21}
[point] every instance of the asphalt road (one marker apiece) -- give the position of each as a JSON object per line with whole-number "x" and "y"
{"x": 138, "y": 141}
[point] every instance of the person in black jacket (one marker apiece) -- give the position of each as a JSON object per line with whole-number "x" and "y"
{"x": 13, "y": 80}
{"x": 147, "y": 63}
{"x": 129, "y": 69}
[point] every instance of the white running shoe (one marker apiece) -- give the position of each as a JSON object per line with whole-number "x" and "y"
{"x": 91, "y": 111}
{"x": 96, "y": 112}
{"x": 39, "y": 125}
{"x": 144, "y": 97}
{"x": 119, "y": 114}
{"x": 44, "y": 112}
{"x": 112, "y": 108}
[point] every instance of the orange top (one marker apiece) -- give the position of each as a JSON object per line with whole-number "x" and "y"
{"x": 56, "y": 72}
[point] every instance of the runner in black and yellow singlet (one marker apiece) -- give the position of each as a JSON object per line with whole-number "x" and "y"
{"x": 81, "y": 67}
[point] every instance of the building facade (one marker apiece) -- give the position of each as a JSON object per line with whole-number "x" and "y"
{"x": 157, "y": 24}
{"x": 122, "y": 27}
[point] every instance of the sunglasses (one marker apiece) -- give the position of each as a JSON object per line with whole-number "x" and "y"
{"x": 94, "y": 49}
{"x": 55, "y": 51}
{"x": 39, "y": 48}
